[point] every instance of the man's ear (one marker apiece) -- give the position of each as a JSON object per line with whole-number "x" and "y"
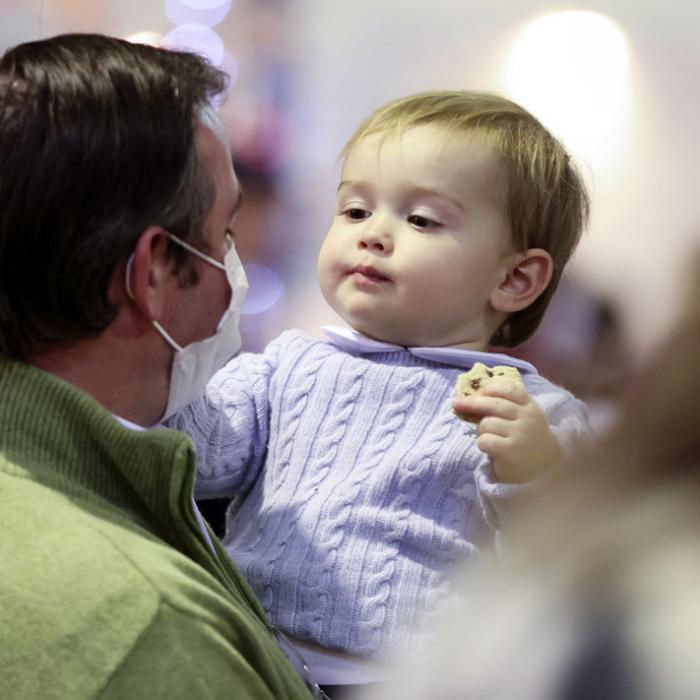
{"x": 527, "y": 276}
{"x": 149, "y": 272}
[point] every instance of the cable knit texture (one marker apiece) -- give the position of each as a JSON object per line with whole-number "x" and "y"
{"x": 356, "y": 487}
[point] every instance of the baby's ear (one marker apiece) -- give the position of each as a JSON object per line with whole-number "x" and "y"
{"x": 527, "y": 276}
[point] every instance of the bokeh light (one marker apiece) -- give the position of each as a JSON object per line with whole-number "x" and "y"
{"x": 230, "y": 66}
{"x": 571, "y": 70}
{"x": 203, "y": 12}
{"x": 145, "y": 37}
{"x": 266, "y": 289}
{"x": 198, "y": 39}
{"x": 206, "y": 4}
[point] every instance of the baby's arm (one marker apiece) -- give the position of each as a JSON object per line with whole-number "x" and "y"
{"x": 229, "y": 424}
{"x": 513, "y": 431}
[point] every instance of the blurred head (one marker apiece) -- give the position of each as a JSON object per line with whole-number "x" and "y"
{"x": 657, "y": 438}
{"x": 543, "y": 198}
{"x": 97, "y": 142}
{"x": 653, "y": 448}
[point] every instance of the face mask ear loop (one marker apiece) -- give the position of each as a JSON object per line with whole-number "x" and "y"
{"x": 156, "y": 325}
{"x": 127, "y": 276}
{"x": 198, "y": 253}
{"x": 166, "y": 336}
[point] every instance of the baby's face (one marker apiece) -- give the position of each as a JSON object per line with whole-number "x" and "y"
{"x": 419, "y": 240}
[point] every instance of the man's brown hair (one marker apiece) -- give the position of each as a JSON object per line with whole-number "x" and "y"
{"x": 96, "y": 144}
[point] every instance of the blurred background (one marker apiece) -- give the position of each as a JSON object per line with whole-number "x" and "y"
{"x": 616, "y": 80}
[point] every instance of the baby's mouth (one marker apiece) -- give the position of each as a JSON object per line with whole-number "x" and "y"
{"x": 369, "y": 273}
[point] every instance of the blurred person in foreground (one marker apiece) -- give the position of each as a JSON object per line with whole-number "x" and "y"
{"x": 358, "y": 490}
{"x": 120, "y": 295}
{"x": 600, "y": 597}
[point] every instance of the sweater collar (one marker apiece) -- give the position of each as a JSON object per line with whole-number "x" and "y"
{"x": 80, "y": 449}
{"x": 56, "y": 435}
{"x": 353, "y": 342}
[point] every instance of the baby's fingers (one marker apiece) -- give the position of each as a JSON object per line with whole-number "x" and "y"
{"x": 495, "y": 426}
{"x": 497, "y": 447}
{"x": 480, "y": 405}
{"x": 505, "y": 389}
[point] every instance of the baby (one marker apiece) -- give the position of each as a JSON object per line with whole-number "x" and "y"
{"x": 357, "y": 488}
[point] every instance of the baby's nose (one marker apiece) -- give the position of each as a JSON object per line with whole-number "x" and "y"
{"x": 373, "y": 244}
{"x": 376, "y": 238}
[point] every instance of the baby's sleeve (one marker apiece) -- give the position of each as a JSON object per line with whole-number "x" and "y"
{"x": 568, "y": 420}
{"x": 229, "y": 424}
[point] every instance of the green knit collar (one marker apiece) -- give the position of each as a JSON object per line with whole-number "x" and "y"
{"x": 80, "y": 449}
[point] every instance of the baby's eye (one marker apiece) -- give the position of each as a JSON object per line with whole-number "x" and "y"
{"x": 422, "y": 221}
{"x": 356, "y": 213}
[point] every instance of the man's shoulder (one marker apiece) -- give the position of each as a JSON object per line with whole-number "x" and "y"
{"x": 62, "y": 542}
{"x": 83, "y": 586}
{"x": 69, "y": 601}
{"x": 68, "y": 554}
{"x": 91, "y": 603}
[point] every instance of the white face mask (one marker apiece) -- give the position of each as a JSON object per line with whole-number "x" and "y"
{"x": 195, "y": 364}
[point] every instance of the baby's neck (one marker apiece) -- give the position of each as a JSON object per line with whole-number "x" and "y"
{"x": 477, "y": 345}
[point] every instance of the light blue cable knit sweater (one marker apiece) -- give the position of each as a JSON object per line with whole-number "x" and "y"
{"x": 357, "y": 487}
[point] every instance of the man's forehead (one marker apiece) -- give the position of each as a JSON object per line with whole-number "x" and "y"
{"x": 210, "y": 137}
{"x": 209, "y": 118}
{"x": 214, "y": 151}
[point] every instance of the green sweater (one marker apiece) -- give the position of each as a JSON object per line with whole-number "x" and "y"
{"x": 108, "y": 587}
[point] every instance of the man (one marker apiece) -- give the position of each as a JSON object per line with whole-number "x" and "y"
{"x": 120, "y": 293}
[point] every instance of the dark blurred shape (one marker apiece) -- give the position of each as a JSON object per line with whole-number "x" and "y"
{"x": 214, "y": 512}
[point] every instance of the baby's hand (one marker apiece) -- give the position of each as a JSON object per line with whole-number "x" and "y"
{"x": 513, "y": 431}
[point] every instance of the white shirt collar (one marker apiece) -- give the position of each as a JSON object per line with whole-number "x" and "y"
{"x": 356, "y": 343}
{"x": 128, "y": 424}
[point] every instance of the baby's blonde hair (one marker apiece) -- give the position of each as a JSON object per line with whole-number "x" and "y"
{"x": 546, "y": 199}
